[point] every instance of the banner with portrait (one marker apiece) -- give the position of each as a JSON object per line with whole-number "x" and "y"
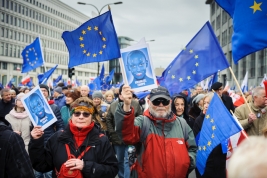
{"x": 38, "y": 108}
{"x": 137, "y": 67}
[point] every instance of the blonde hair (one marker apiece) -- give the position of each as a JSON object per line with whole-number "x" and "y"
{"x": 241, "y": 164}
{"x": 109, "y": 92}
{"x": 209, "y": 95}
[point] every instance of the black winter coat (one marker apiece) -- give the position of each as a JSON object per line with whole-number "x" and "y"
{"x": 5, "y": 108}
{"x": 99, "y": 160}
{"x": 216, "y": 163}
{"x": 228, "y": 102}
{"x": 14, "y": 160}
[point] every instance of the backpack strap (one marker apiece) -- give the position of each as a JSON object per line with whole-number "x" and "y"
{"x": 184, "y": 127}
{"x": 145, "y": 129}
{"x": 80, "y": 156}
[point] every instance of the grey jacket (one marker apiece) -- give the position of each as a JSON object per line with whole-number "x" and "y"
{"x": 114, "y": 138}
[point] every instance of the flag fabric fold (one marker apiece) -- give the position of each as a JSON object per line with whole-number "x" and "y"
{"x": 94, "y": 41}
{"x": 201, "y": 58}
{"x": 249, "y": 21}
{"x": 25, "y": 80}
{"x": 44, "y": 77}
{"x": 10, "y": 83}
{"x": 32, "y": 56}
{"x": 95, "y": 85}
{"x": 218, "y": 126}
{"x": 244, "y": 85}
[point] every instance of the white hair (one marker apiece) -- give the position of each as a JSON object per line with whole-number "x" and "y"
{"x": 257, "y": 91}
{"x": 249, "y": 159}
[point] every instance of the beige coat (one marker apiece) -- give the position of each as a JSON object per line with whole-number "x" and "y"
{"x": 23, "y": 125}
{"x": 254, "y": 128}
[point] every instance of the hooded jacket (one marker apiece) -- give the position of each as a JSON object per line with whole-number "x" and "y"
{"x": 14, "y": 160}
{"x": 185, "y": 115}
{"x": 165, "y": 152}
{"x": 99, "y": 160}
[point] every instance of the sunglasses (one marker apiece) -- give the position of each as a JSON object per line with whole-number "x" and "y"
{"x": 157, "y": 102}
{"x": 85, "y": 114}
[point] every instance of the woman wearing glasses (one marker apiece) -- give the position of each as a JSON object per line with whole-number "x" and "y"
{"x": 71, "y": 96}
{"x": 79, "y": 149}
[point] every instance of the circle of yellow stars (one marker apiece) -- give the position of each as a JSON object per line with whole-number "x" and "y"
{"x": 209, "y": 143}
{"x": 194, "y": 72}
{"x": 31, "y": 50}
{"x": 82, "y": 45}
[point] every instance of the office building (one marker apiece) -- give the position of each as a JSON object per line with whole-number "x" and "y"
{"x": 24, "y": 20}
{"x": 254, "y": 63}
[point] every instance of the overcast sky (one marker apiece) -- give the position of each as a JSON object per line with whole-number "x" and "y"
{"x": 171, "y": 23}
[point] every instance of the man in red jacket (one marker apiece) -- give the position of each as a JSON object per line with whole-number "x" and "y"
{"x": 169, "y": 148}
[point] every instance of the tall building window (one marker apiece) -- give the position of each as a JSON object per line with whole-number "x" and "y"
{"x": 224, "y": 17}
{"x": 236, "y": 70}
{"x": 218, "y": 22}
{"x": 252, "y": 64}
{"x": 2, "y": 49}
{"x": 2, "y": 17}
{"x": 244, "y": 66}
{"x": 230, "y": 33}
{"x": 224, "y": 38}
{"x": 7, "y": 18}
{"x": 2, "y": 32}
{"x": 262, "y": 62}
{"x": 4, "y": 65}
{"x": 7, "y": 4}
{"x": 6, "y": 52}
{"x": 4, "y": 79}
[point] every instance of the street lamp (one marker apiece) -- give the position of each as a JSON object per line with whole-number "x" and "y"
{"x": 99, "y": 12}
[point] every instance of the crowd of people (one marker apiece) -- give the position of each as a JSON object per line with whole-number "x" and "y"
{"x": 115, "y": 133}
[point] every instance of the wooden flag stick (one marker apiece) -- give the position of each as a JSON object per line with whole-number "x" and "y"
{"x": 237, "y": 84}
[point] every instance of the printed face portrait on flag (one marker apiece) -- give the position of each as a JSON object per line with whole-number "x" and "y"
{"x": 38, "y": 108}
{"x": 138, "y": 68}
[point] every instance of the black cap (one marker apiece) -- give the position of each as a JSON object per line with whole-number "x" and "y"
{"x": 159, "y": 92}
{"x": 216, "y": 86}
{"x": 44, "y": 86}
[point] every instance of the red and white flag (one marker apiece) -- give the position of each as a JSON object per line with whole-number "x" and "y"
{"x": 25, "y": 80}
{"x": 234, "y": 141}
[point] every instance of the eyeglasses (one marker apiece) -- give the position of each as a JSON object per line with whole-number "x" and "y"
{"x": 85, "y": 114}
{"x": 157, "y": 102}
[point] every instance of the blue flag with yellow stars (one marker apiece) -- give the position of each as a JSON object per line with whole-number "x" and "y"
{"x": 201, "y": 58}
{"x": 32, "y": 56}
{"x": 44, "y": 77}
{"x": 95, "y": 85}
{"x": 218, "y": 125}
{"x": 249, "y": 25}
{"x": 94, "y": 41}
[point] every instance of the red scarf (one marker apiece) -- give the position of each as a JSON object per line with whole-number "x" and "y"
{"x": 80, "y": 134}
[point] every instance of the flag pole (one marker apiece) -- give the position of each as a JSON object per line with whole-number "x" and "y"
{"x": 240, "y": 89}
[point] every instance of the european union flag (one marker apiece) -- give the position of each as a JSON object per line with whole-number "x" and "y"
{"x": 249, "y": 25}
{"x": 94, "y": 41}
{"x": 44, "y": 77}
{"x": 218, "y": 125}
{"x": 201, "y": 58}
{"x": 32, "y": 56}
{"x": 95, "y": 85}
{"x": 102, "y": 74}
{"x": 10, "y": 83}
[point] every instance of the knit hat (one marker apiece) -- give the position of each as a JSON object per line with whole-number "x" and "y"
{"x": 19, "y": 96}
{"x": 97, "y": 94}
{"x": 58, "y": 90}
{"x": 198, "y": 98}
{"x": 45, "y": 87}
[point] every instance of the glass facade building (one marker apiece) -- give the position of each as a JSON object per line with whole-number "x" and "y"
{"x": 24, "y": 20}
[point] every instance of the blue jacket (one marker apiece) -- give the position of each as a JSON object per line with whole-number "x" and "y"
{"x": 60, "y": 101}
{"x": 65, "y": 114}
